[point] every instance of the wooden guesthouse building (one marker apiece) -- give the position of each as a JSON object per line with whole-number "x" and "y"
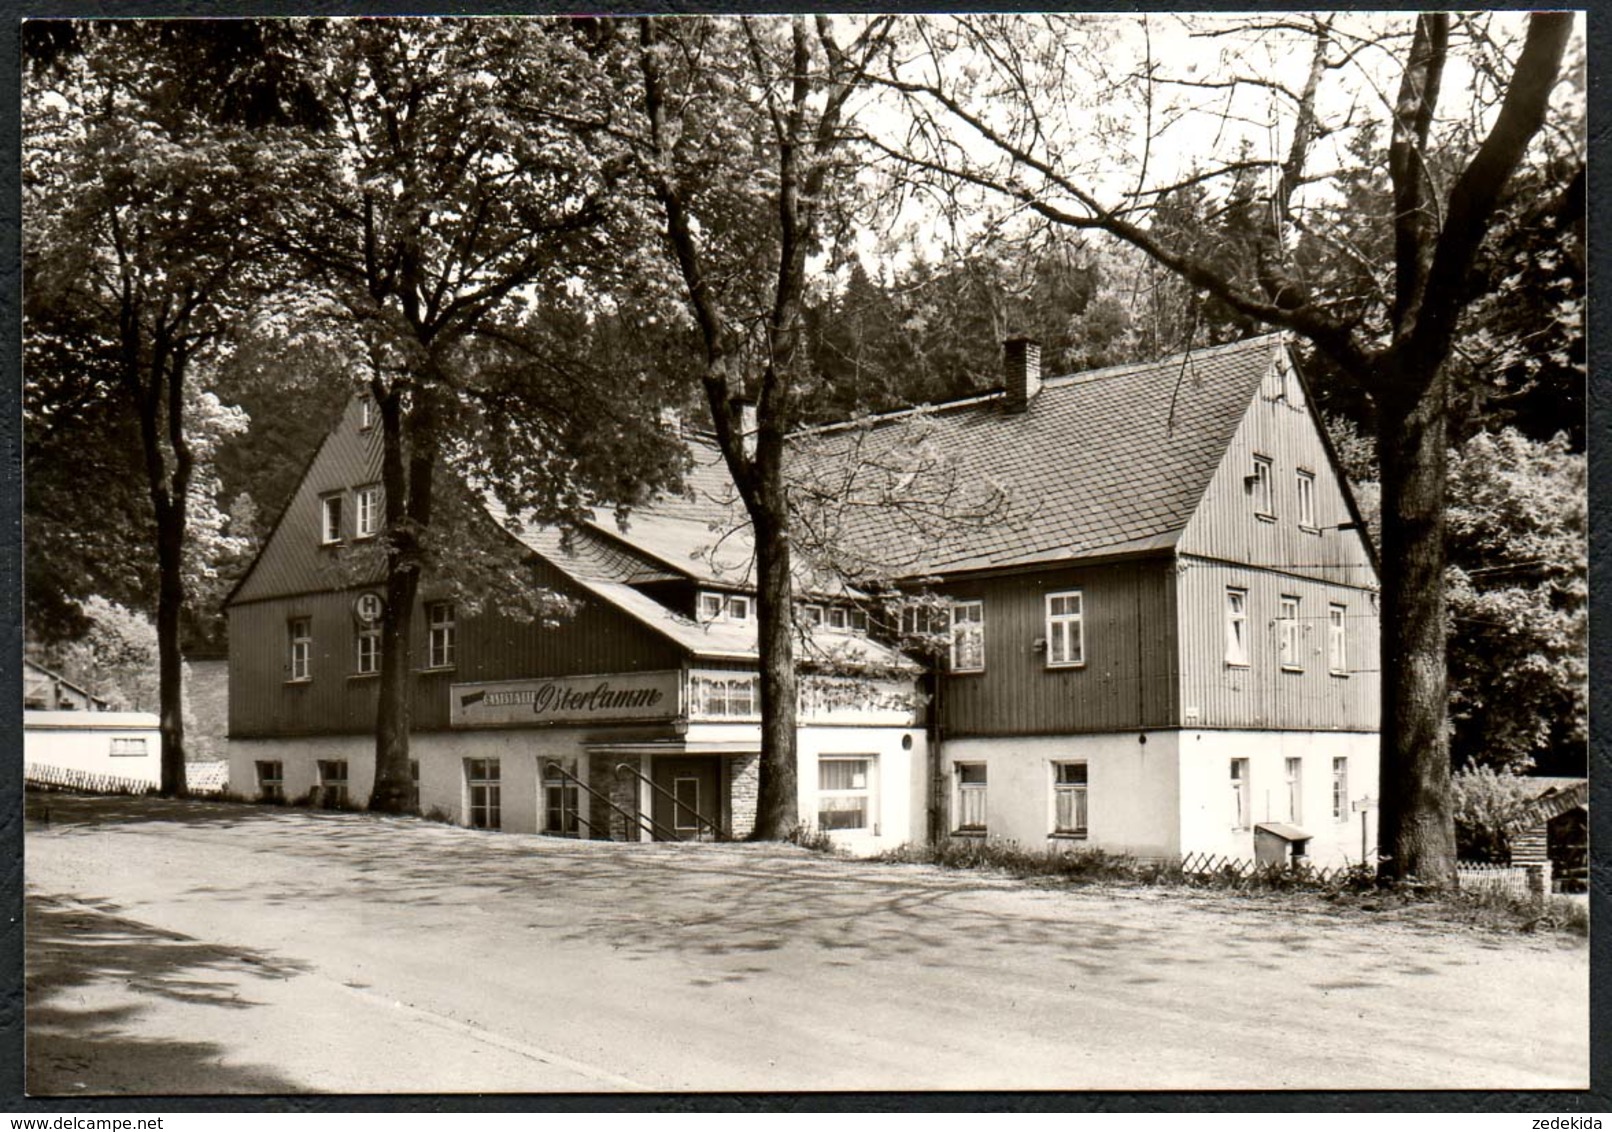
{"x": 1163, "y": 640}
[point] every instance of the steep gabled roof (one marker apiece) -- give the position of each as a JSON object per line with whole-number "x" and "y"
{"x": 608, "y": 571}
{"x": 1112, "y": 461}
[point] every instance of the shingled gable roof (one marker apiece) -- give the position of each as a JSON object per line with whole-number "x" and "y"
{"x": 1110, "y": 462}
{"x": 609, "y": 571}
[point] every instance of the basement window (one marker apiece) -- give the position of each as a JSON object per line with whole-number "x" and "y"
{"x": 270, "y": 780}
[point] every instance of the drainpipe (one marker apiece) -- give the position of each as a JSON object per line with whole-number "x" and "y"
{"x": 937, "y": 784}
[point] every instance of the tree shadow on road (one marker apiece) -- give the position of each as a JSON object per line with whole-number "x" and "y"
{"x": 79, "y": 949}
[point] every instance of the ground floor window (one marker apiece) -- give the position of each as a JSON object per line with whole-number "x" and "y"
{"x": 1069, "y": 799}
{"x": 971, "y": 781}
{"x": 1241, "y": 799}
{"x": 845, "y": 792}
{"x": 560, "y": 816}
{"x": 482, "y": 782}
{"x": 135, "y": 747}
{"x": 271, "y": 780}
{"x": 1340, "y": 789}
{"x": 333, "y": 782}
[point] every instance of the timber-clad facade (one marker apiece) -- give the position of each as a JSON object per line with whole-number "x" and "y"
{"x": 1165, "y": 642}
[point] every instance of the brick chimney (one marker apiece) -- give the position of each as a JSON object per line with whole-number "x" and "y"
{"x": 1021, "y": 373}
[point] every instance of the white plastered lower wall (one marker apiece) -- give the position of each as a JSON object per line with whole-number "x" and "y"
{"x": 1208, "y": 802}
{"x": 441, "y": 755}
{"x": 1131, "y": 788}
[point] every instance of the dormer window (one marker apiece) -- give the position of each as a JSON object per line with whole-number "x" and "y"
{"x": 838, "y": 617}
{"x": 330, "y": 519}
{"x": 724, "y": 607}
{"x": 812, "y": 614}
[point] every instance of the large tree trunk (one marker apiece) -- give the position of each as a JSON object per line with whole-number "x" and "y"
{"x": 777, "y": 805}
{"x": 170, "y": 663}
{"x": 406, "y": 482}
{"x": 1417, "y": 832}
{"x": 394, "y": 712}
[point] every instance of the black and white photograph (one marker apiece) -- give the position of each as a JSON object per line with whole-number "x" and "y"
{"x": 975, "y": 552}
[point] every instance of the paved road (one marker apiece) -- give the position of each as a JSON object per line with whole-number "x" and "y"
{"x": 200, "y": 948}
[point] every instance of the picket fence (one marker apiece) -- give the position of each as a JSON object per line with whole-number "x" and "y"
{"x": 200, "y": 778}
{"x": 1474, "y": 876}
{"x": 67, "y": 778}
{"x": 1237, "y": 868}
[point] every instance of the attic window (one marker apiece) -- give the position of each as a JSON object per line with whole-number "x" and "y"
{"x": 1306, "y": 490}
{"x": 1259, "y": 485}
{"x": 366, "y": 413}
{"x": 330, "y": 519}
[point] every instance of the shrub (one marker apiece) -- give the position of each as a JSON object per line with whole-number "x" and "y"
{"x": 808, "y": 836}
{"x": 1483, "y": 799}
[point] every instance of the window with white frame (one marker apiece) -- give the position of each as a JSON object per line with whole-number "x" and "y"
{"x": 1069, "y": 799}
{"x": 1066, "y": 629}
{"x": 299, "y": 631}
{"x": 366, "y": 413}
{"x": 367, "y": 649}
{"x": 812, "y": 614}
{"x": 971, "y": 784}
{"x": 1340, "y": 789}
{"x": 560, "y": 800}
{"x": 367, "y": 507}
{"x": 1306, "y": 486}
{"x": 925, "y": 619}
{"x": 857, "y": 620}
{"x": 968, "y": 636}
{"x": 1237, "y": 627}
{"x": 126, "y": 747}
{"x": 838, "y": 617}
{"x": 1264, "y": 502}
{"x": 484, "y": 789}
{"x": 715, "y": 696}
{"x": 710, "y": 606}
{"x": 1295, "y": 791}
{"x": 270, "y": 780}
{"x": 333, "y": 782}
{"x": 443, "y": 629}
{"x": 738, "y": 607}
{"x": 1288, "y": 634}
{"x": 1241, "y": 797}
{"x": 1337, "y": 641}
{"x": 330, "y": 519}
{"x": 845, "y": 785}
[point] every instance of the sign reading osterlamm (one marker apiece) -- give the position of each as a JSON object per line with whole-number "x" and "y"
{"x": 624, "y": 697}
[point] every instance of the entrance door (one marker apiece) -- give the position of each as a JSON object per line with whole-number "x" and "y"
{"x": 697, "y": 784}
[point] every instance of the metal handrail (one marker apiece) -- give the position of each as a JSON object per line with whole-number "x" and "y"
{"x": 716, "y": 830}
{"x": 637, "y": 818}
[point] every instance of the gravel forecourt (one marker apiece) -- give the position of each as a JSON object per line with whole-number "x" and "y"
{"x": 197, "y": 948}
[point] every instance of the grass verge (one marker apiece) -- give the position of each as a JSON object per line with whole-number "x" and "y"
{"x": 1355, "y": 890}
